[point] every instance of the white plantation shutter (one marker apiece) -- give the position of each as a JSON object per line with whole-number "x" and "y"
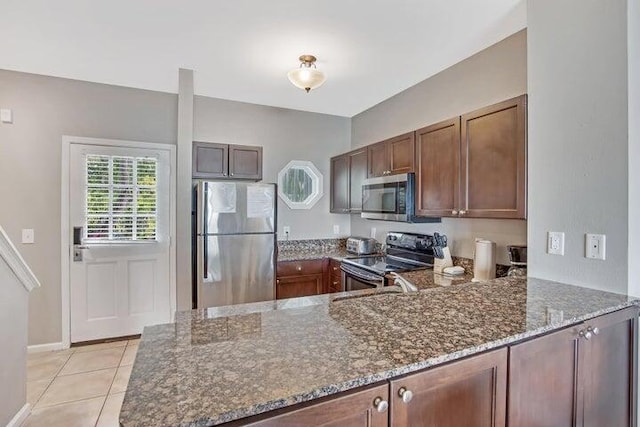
{"x": 121, "y": 198}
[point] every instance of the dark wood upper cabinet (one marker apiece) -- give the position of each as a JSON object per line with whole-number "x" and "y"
{"x": 339, "y": 184}
{"x": 350, "y": 410}
{"x": 348, "y": 172}
{"x": 357, "y": 175}
{"x": 438, "y": 169}
{"x": 224, "y": 161}
{"x": 494, "y": 172}
{"x": 210, "y": 160}
{"x": 584, "y": 375}
{"x": 392, "y": 156}
{"x": 245, "y": 162}
{"x": 469, "y": 392}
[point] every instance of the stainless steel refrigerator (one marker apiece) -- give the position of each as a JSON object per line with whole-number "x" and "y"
{"x": 235, "y": 243}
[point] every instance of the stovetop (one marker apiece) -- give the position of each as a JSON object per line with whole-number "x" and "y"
{"x": 383, "y": 264}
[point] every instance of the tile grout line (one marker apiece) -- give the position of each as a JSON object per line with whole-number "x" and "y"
{"x": 111, "y": 385}
{"x": 52, "y": 379}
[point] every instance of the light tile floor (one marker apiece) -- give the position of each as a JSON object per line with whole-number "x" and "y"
{"x": 81, "y": 386}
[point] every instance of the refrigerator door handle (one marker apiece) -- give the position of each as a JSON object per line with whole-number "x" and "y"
{"x": 200, "y": 212}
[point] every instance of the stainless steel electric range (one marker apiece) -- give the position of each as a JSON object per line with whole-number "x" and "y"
{"x": 404, "y": 252}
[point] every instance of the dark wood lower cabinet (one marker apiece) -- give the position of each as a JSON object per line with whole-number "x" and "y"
{"x": 584, "y": 375}
{"x": 470, "y": 392}
{"x": 299, "y": 286}
{"x": 351, "y": 410}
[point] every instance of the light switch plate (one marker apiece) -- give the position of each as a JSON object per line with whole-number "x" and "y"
{"x": 555, "y": 243}
{"x": 336, "y": 229}
{"x": 6, "y": 115}
{"x": 373, "y": 232}
{"x": 595, "y": 246}
{"x": 28, "y": 235}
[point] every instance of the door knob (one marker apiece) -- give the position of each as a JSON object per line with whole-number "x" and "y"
{"x": 380, "y": 404}
{"x": 405, "y": 395}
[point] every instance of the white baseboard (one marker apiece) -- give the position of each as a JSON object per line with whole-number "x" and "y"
{"x": 19, "y": 418}
{"x": 39, "y": 348}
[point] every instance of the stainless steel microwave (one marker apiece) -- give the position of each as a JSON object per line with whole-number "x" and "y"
{"x": 391, "y": 198}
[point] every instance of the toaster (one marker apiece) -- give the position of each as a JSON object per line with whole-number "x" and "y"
{"x": 362, "y": 245}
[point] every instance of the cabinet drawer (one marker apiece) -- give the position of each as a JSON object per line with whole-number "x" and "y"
{"x": 299, "y": 268}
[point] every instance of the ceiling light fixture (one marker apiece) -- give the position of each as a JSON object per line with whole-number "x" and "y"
{"x": 307, "y": 76}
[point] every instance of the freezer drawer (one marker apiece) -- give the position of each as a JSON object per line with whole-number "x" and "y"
{"x": 235, "y": 269}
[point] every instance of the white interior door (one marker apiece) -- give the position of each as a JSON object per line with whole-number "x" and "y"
{"x": 119, "y": 211}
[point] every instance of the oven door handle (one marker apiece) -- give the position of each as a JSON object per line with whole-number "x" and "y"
{"x": 370, "y": 278}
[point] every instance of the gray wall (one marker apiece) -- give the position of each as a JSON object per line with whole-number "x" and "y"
{"x": 13, "y": 333}
{"x": 578, "y": 148}
{"x": 633, "y": 57}
{"x": 494, "y": 74}
{"x": 285, "y": 135}
{"x": 44, "y": 109}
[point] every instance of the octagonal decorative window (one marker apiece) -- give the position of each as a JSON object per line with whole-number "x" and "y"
{"x": 300, "y": 184}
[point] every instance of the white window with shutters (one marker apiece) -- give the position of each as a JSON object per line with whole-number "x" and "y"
{"x": 121, "y": 198}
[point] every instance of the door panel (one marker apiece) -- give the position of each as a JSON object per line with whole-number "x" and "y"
{"x": 245, "y": 162}
{"x": 494, "y": 161}
{"x": 378, "y": 159}
{"x": 230, "y": 207}
{"x": 340, "y": 184}
{"x": 357, "y": 175}
{"x": 470, "y": 392}
{"x": 610, "y": 370}
{"x": 438, "y": 176}
{"x": 543, "y": 374}
{"x": 210, "y": 160}
{"x": 353, "y": 410}
{"x": 235, "y": 269}
{"x": 119, "y": 286}
{"x": 401, "y": 151}
{"x": 299, "y": 286}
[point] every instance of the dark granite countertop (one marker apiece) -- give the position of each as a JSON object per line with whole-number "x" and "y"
{"x": 314, "y": 253}
{"x": 222, "y": 364}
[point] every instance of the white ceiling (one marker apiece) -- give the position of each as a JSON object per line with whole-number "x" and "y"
{"x": 242, "y": 49}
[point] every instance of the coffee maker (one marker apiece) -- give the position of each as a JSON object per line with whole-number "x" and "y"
{"x": 518, "y": 259}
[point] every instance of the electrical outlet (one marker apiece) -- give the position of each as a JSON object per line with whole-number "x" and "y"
{"x": 286, "y": 230}
{"x": 6, "y": 115}
{"x": 555, "y": 243}
{"x": 336, "y": 229}
{"x": 595, "y": 246}
{"x": 373, "y": 232}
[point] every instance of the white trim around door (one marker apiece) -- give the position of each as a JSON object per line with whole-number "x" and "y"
{"x": 65, "y": 246}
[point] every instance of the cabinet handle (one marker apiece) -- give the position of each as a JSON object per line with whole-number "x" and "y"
{"x": 586, "y": 335}
{"x": 231, "y": 174}
{"x": 335, "y": 268}
{"x": 277, "y": 281}
{"x": 380, "y": 404}
{"x": 595, "y": 330}
{"x": 405, "y": 395}
{"x": 335, "y": 283}
{"x": 463, "y": 212}
{"x": 454, "y": 212}
{"x": 224, "y": 174}
{"x": 299, "y": 268}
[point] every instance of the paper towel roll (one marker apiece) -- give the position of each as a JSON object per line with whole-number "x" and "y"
{"x": 484, "y": 261}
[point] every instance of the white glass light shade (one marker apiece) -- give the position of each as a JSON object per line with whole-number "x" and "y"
{"x": 306, "y": 78}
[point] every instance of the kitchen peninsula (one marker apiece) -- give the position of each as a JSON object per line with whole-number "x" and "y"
{"x": 371, "y": 358}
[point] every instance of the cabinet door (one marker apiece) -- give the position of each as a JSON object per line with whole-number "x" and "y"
{"x": 543, "y": 375}
{"x": 339, "y": 202}
{"x": 210, "y": 160}
{"x": 470, "y": 392}
{"x": 378, "y": 159}
{"x": 494, "y": 161}
{"x": 357, "y": 175}
{"x": 298, "y": 286}
{"x": 402, "y": 153}
{"x": 609, "y": 373}
{"x": 438, "y": 174}
{"x": 245, "y": 162}
{"x": 352, "y": 410}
